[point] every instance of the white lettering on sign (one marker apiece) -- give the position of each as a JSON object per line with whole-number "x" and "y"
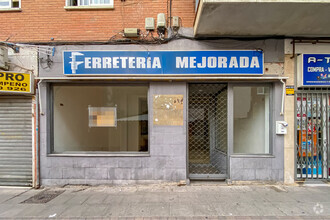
{"x": 122, "y": 62}
{"x": 315, "y": 69}
{"x": 314, "y": 60}
{"x": 217, "y": 62}
{"x": 233, "y": 63}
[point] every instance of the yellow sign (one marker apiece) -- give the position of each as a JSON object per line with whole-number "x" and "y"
{"x": 168, "y": 110}
{"x": 15, "y": 82}
{"x": 289, "y": 90}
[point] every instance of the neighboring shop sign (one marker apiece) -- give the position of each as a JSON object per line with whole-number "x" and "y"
{"x": 163, "y": 62}
{"x": 289, "y": 90}
{"x": 315, "y": 70}
{"x": 11, "y": 82}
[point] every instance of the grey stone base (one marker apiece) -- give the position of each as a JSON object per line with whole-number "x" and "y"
{"x": 63, "y": 182}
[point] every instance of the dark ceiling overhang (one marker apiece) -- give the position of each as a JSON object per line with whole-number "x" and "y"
{"x": 247, "y": 18}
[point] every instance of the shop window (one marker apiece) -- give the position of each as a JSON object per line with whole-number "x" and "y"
{"x": 251, "y": 119}
{"x": 89, "y": 3}
{"x": 99, "y": 118}
{"x": 9, "y": 4}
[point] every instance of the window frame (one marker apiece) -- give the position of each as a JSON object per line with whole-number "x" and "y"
{"x": 50, "y": 122}
{"x": 69, "y": 5}
{"x": 10, "y": 7}
{"x": 231, "y": 119}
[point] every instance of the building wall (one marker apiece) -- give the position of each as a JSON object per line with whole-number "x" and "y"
{"x": 291, "y": 64}
{"x": 166, "y": 162}
{"x": 167, "y": 144}
{"x": 40, "y": 20}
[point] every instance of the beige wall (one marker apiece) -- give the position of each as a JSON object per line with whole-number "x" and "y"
{"x": 289, "y": 156}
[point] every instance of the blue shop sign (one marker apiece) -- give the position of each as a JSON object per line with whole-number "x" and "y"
{"x": 316, "y": 69}
{"x": 163, "y": 62}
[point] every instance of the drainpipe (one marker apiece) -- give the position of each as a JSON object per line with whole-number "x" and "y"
{"x": 39, "y": 98}
{"x": 37, "y": 151}
{"x": 283, "y": 97}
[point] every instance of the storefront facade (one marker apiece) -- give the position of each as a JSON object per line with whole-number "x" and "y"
{"x": 17, "y": 117}
{"x": 311, "y": 109}
{"x": 144, "y": 122}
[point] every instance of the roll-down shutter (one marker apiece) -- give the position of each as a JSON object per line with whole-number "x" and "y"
{"x": 15, "y": 141}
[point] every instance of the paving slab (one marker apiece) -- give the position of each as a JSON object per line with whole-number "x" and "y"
{"x": 116, "y": 210}
{"x": 113, "y": 199}
{"x": 267, "y": 209}
{"x": 97, "y": 198}
{"x": 79, "y": 198}
{"x": 292, "y": 208}
{"x": 62, "y": 198}
{"x": 31, "y": 210}
{"x": 12, "y": 211}
{"x": 73, "y": 211}
{"x": 203, "y": 210}
{"x": 181, "y": 209}
{"x": 52, "y": 211}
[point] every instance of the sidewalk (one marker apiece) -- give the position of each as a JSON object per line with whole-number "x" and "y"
{"x": 211, "y": 201}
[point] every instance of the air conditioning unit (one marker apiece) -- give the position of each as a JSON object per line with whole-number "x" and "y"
{"x": 4, "y": 63}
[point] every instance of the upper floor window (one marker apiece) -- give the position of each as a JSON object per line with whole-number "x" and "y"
{"x": 9, "y": 3}
{"x": 89, "y": 2}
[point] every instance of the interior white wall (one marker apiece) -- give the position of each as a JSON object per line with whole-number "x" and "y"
{"x": 70, "y": 113}
{"x": 249, "y": 121}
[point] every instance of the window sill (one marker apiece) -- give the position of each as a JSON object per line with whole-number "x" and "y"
{"x": 100, "y": 155}
{"x": 10, "y": 9}
{"x": 108, "y": 7}
{"x": 252, "y": 156}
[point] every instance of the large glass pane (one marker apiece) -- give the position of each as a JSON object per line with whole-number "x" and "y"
{"x": 4, "y": 3}
{"x": 100, "y": 2}
{"x": 100, "y": 119}
{"x": 251, "y": 119}
{"x": 83, "y": 2}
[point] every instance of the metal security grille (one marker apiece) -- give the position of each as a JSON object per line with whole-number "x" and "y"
{"x": 312, "y": 134}
{"x": 15, "y": 141}
{"x": 207, "y": 131}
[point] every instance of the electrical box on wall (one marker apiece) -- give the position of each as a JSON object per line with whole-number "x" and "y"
{"x": 281, "y": 127}
{"x": 161, "y": 21}
{"x": 175, "y": 22}
{"x": 150, "y": 24}
{"x": 131, "y": 32}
